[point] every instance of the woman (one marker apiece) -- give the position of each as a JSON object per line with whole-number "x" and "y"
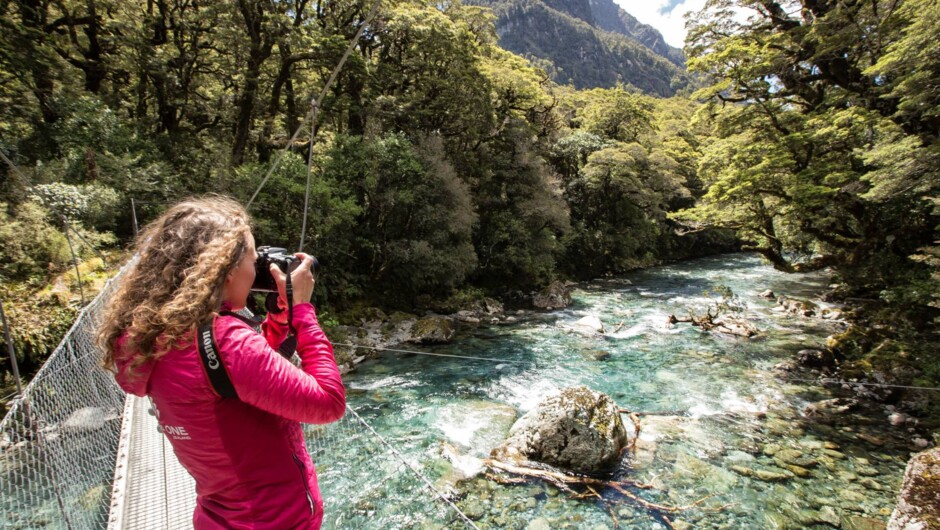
{"x": 247, "y": 454}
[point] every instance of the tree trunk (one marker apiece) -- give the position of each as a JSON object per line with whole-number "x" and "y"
{"x": 34, "y": 18}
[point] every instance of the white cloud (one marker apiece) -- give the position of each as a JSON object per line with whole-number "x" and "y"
{"x": 664, "y": 15}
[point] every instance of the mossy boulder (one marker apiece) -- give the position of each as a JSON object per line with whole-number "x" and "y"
{"x": 578, "y": 430}
{"x": 555, "y": 296}
{"x": 432, "y": 330}
{"x": 918, "y": 505}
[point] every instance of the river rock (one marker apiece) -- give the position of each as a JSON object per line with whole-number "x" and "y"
{"x": 830, "y": 407}
{"x": 771, "y": 476}
{"x": 468, "y": 317}
{"x": 578, "y": 430}
{"x": 874, "y": 440}
{"x": 539, "y": 524}
{"x": 556, "y": 295}
{"x": 432, "y": 330}
{"x": 813, "y": 358}
{"x": 588, "y": 324}
{"x": 918, "y": 505}
{"x": 897, "y": 419}
{"x": 828, "y": 516}
{"x": 798, "y": 307}
{"x": 857, "y": 522}
{"x": 767, "y": 294}
{"x": 799, "y": 471}
{"x": 795, "y": 457}
{"x": 596, "y": 355}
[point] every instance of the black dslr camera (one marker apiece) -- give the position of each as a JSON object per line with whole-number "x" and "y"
{"x": 285, "y": 261}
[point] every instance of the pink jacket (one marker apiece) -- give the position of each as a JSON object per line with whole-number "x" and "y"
{"x": 247, "y": 455}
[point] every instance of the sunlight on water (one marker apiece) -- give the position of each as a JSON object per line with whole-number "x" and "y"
{"x": 725, "y": 426}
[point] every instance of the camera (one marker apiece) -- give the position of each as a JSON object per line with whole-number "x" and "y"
{"x": 284, "y": 260}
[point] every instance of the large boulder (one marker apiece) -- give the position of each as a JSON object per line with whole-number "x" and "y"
{"x": 556, "y": 295}
{"x": 432, "y": 330}
{"x": 919, "y": 500}
{"x": 578, "y": 430}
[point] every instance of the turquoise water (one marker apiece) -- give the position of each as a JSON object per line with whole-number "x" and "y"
{"x": 724, "y": 415}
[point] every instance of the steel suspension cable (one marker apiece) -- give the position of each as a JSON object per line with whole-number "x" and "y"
{"x": 315, "y": 106}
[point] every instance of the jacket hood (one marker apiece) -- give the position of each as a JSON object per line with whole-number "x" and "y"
{"x": 132, "y": 380}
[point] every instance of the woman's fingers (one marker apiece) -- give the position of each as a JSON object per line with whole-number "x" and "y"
{"x": 280, "y": 279}
{"x": 307, "y": 261}
{"x": 302, "y": 279}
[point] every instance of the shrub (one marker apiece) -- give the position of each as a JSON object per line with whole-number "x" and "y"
{"x": 30, "y": 247}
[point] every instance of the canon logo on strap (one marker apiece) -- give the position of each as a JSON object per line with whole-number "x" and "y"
{"x": 210, "y": 349}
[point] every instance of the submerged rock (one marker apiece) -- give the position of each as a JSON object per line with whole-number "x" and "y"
{"x": 919, "y": 499}
{"x": 579, "y": 430}
{"x": 830, "y": 407}
{"x": 588, "y": 324}
{"x": 798, "y": 307}
{"x": 596, "y": 355}
{"x": 857, "y": 522}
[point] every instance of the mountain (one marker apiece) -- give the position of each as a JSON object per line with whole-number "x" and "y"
{"x": 610, "y": 17}
{"x": 588, "y": 43}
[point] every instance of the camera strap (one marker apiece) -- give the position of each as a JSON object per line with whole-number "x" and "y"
{"x": 212, "y": 362}
{"x": 215, "y": 369}
{"x": 289, "y": 345}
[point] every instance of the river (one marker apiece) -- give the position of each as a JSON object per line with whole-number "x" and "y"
{"x": 729, "y": 426}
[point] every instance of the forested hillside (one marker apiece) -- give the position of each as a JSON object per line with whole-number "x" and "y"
{"x": 589, "y": 44}
{"x": 443, "y": 165}
{"x": 446, "y": 167}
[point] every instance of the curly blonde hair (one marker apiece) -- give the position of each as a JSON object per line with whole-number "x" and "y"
{"x": 176, "y": 283}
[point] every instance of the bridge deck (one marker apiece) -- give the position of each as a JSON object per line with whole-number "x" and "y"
{"x": 152, "y": 490}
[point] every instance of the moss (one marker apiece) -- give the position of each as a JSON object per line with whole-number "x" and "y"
{"x": 360, "y": 313}
{"x": 432, "y": 327}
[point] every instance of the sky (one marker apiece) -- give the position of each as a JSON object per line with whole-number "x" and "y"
{"x": 664, "y": 15}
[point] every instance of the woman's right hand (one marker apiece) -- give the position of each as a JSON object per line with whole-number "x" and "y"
{"x": 301, "y": 281}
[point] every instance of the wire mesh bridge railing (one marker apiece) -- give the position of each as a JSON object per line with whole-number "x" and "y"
{"x": 77, "y": 453}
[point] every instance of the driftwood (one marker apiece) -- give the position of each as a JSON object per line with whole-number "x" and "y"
{"x": 566, "y": 481}
{"x": 710, "y": 321}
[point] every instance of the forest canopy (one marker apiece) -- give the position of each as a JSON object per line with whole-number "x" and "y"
{"x": 444, "y": 164}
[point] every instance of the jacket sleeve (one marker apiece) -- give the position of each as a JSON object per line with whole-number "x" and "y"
{"x": 273, "y": 332}
{"x": 313, "y": 393}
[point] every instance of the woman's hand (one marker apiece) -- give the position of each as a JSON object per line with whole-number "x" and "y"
{"x": 301, "y": 282}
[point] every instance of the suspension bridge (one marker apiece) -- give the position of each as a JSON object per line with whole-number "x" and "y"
{"x": 77, "y": 453}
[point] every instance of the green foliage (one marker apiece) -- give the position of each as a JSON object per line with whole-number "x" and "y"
{"x": 414, "y": 216}
{"x": 37, "y": 324}
{"x": 30, "y": 247}
{"x": 61, "y": 199}
{"x": 278, "y": 216}
{"x": 524, "y": 216}
{"x": 817, "y": 168}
